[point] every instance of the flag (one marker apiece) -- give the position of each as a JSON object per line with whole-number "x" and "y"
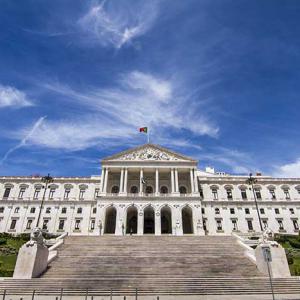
{"x": 144, "y": 129}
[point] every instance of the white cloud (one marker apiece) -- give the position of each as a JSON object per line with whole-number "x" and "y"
{"x": 291, "y": 170}
{"x": 28, "y": 134}
{"x": 118, "y": 23}
{"x": 10, "y": 96}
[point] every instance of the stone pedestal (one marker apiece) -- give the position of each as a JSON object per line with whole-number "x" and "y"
{"x": 277, "y": 260}
{"x": 32, "y": 261}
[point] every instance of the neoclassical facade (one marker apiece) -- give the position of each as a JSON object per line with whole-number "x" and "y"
{"x": 150, "y": 190}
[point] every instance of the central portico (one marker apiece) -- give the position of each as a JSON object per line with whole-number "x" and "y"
{"x": 150, "y": 190}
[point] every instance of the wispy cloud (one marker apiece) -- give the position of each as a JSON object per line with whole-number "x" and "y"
{"x": 12, "y": 97}
{"x": 137, "y": 99}
{"x": 118, "y": 23}
{"x": 28, "y": 135}
{"x": 291, "y": 170}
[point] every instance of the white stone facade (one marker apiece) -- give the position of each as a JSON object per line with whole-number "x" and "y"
{"x": 149, "y": 190}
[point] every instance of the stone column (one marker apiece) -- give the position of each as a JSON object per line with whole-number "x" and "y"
{"x": 192, "y": 181}
{"x": 121, "y": 181}
{"x": 196, "y": 189}
{"x": 177, "y": 221}
{"x": 172, "y": 181}
{"x": 156, "y": 182}
{"x": 141, "y": 184}
{"x": 102, "y": 180}
{"x": 157, "y": 223}
{"x": 125, "y": 181}
{"x": 140, "y": 227}
{"x": 176, "y": 181}
{"x": 105, "y": 182}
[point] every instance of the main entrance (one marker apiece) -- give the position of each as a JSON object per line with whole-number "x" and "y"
{"x": 110, "y": 220}
{"x": 166, "y": 220}
{"x": 131, "y": 221}
{"x": 149, "y": 222}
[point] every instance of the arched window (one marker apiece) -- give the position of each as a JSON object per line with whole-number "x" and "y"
{"x": 182, "y": 190}
{"x": 166, "y": 220}
{"x": 187, "y": 220}
{"x": 110, "y": 220}
{"x": 149, "y": 220}
{"x": 131, "y": 220}
{"x": 149, "y": 189}
{"x": 164, "y": 190}
{"x": 115, "y": 189}
{"x": 134, "y": 190}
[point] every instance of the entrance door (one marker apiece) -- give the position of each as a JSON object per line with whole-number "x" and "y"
{"x": 166, "y": 220}
{"x": 110, "y": 220}
{"x": 131, "y": 220}
{"x": 187, "y": 220}
{"x": 149, "y": 222}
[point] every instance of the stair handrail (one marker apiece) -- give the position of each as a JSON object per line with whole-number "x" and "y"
{"x": 249, "y": 252}
{"x": 52, "y": 250}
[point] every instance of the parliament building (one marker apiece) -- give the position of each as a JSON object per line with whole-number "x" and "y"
{"x": 150, "y": 190}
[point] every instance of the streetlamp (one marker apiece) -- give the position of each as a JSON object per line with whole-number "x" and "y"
{"x": 251, "y": 181}
{"x": 46, "y": 179}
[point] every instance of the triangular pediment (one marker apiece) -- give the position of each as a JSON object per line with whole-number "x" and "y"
{"x": 148, "y": 152}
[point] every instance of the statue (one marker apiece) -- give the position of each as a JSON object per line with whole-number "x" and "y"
{"x": 268, "y": 237}
{"x": 36, "y": 237}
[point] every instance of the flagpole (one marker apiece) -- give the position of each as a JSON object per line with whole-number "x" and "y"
{"x": 148, "y": 136}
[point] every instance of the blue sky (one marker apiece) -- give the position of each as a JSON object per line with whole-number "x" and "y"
{"x": 216, "y": 80}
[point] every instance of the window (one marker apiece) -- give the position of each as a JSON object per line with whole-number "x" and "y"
{"x": 36, "y": 193}
{"x": 229, "y": 194}
{"x": 280, "y": 223}
{"x": 217, "y": 211}
{"x": 13, "y": 224}
{"x": 134, "y": 190}
{"x": 219, "y": 225}
{"x": 215, "y": 194}
{"x": 272, "y": 193}
{"x": 201, "y": 192}
{"x": 94, "y": 210}
{"x": 64, "y": 210}
{"x": 292, "y": 211}
{"x": 277, "y": 211}
{"x": 28, "y": 225}
{"x": 202, "y": 210}
{"x": 6, "y": 192}
{"x": 164, "y": 190}
{"x": 182, "y": 190}
{"x": 32, "y": 210}
{"x": 48, "y": 210}
{"x": 204, "y": 224}
{"x": 115, "y": 189}
{"x": 1, "y": 209}
{"x": 79, "y": 210}
{"x": 51, "y": 193}
{"x": 77, "y": 224}
{"x": 67, "y": 193}
{"x": 250, "y": 225}
{"x": 45, "y": 224}
{"x": 96, "y": 193}
{"x": 92, "y": 227}
{"x": 265, "y": 224}
{"x": 21, "y": 193}
{"x": 81, "y": 194}
{"x": 232, "y": 211}
{"x": 257, "y": 193}
{"x": 296, "y": 225}
{"x": 17, "y": 209}
{"x": 244, "y": 194}
{"x": 262, "y": 211}
{"x": 247, "y": 211}
{"x": 234, "y": 225}
{"x": 149, "y": 189}
{"x": 61, "y": 224}
{"x": 286, "y": 194}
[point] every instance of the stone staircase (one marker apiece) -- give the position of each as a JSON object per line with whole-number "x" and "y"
{"x": 155, "y": 265}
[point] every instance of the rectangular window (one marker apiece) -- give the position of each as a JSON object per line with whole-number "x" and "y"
{"x": 6, "y": 192}
{"x": 215, "y": 194}
{"x": 32, "y": 210}
{"x": 67, "y": 192}
{"x": 13, "y": 224}
{"x": 204, "y": 225}
{"x": 17, "y": 209}
{"x": 92, "y": 224}
{"x": 273, "y": 195}
{"x": 48, "y": 210}
{"x": 287, "y": 194}
{"x": 234, "y": 225}
{"x": 280, "y": 223}
{"x": 77, "y": 224}
{"x": 79, "y": 210}
{"x": 51, "y": 193}
{"x": 81, "y": 194}
{"x": 36, "y": 193}
{"x": 244, "y": 194}
{"x": 265, "y": 224}
{"x": 217, "y": 211}
{"x": 61, "y": 224}
{"x": 229, "y": 194}
{"x": 64, "y": 210}
{"x": 250, "y": 225}
{"x": 94, "y": 210}
{"x": 262, "y": 211}
{"x": 247, "y": 211}
{"x": 257, "y": 194}
{"x": 232, "y": 211}
{"x": 201, "y": 193}
{"x": 296, "y": 225}
{"x": 292, "y": 211}
{"x": 96, "y": 193}
{"x": 28, "y": 225}
{"x": 219, "y": 225}
{"x": 1, "y": 209}
{"x": 277, "y": 211}
{"x": 45, "y": 224}
{"x": 203, "y": 210}
{"x": 21, "y": 193}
